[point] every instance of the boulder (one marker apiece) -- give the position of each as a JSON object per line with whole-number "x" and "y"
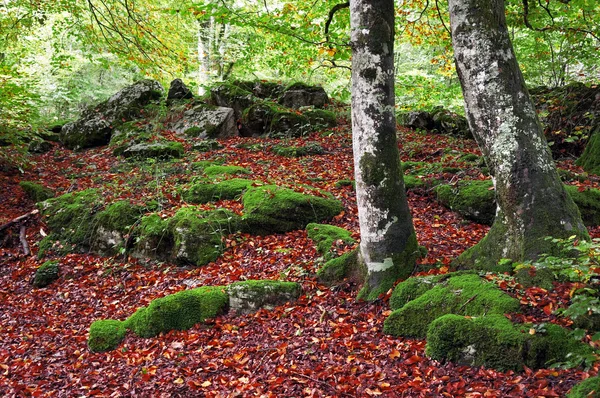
{"x": 440, "y": 120}
{"x": 249, "y": 296}
{"x": 178, "y": 91}
{"x": 207, "y": 191}
{"x": 206, "y": 121}
{"x": 256, "y": 119}
{"x": 261, "y": 89}
{"x": 155, "y": 150}
{"x": 289, "y": 124}
{"x": 113, "y": 225}
{"x": 35, "y": 191}
{"x": 46, "y": 274}
{"x": 39, "y": 146}
{"x": 419, "y": 120}
{"x": 94, "y": 127}
{"x": 299, "y": 95}
{"x": 232, "y": 96}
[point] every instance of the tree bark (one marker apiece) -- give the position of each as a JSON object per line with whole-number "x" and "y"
{"x": 532, "y": 202}
{"x": 388, "y": 246}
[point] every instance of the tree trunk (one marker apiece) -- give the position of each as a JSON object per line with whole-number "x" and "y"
{"x": 532, "y": 202}
{"x": 388, "y": 246}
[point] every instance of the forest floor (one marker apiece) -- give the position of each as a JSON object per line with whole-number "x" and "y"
{"x": 325, "y": 344}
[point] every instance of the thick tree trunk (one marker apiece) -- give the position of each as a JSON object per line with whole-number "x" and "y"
{"x": 532, "y": 202}
{"x": 388, "y": 244}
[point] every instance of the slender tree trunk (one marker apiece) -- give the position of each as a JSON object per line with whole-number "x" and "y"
{"x": 532, "y": 202}
{"x": 388, "y": 246}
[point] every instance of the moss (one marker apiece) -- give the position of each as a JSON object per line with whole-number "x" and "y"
{"x": 588, "y": 202}
{"x": 413, "y": 288}
{"x": 155, "y": 150}
{"x": 153, "y": 238}
{"x": 202, "y": 164}
{"x": 412, "y": 182}
{"x": 378, "y": 283}
{"x": 70, "y": 218}
{"x": 119, "y": 216}
{"x": 531, "y": 276}
{"x": 248, "y": 296}
{"x": 216, "y": 170}
{"x": 46, "y": 274}
{"x": 311, "y": 148}
{"x": 493, "y": 341}
{"x": 271, "y": 209}
{"x": 289, "y": 124}
{"x": 590, "y": 159}
{"x": 106, "y": 335}
{"x": 371, "y": 171}
{"x": 179, "y": 311}
{"x": 326, "y": 235}
{"x": 35, "y": 191}
{"x": 474, "y": 200}
{"x": 345, "y": 183}
{"x": 588, "y": 388}
{"x": 207, "y": 146}
{"x": 463, "y": 294}
{"x": 321, "y": 118}
{"x": 339, "y": 268}
{"x": 470, "y": 158}
{"x": 204, "y": 192}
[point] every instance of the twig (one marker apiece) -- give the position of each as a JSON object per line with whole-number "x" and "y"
{"x": 467, "y": 302}
{"x": 23, "y": 239}
{"x": 18, "y": 219}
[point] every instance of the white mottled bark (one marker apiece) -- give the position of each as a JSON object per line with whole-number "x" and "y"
{"x": 532, "y": 202}
{"x": 388, "y": 244}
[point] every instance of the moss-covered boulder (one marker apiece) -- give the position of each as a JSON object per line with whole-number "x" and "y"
{"x": 190, "y": 237}
{"x": 113, "y": 225}
{"x": 590, "y": 159}
{"x": 529, "y": 276}
{"x": 39, "y": 146}
{"x": 310, "y": 148}
{"x": 588, "y": 388}
{"x": 257, "y": 119}
{"x": 232, "y": 96}
{"x": 588, "y": 201}
{"x": 203, "y": 121}
{"x": 106, "y": 335}
{"x": 203, "y": 192}
{"x": 251, "y": 295}
{"x": 155, "y": 150}
{"x": 179, "y": 311}
{"x": 325, "y": 236}
{"x": 46, "y": 274}
{"x": 36, "y": 192}
{"x": 320, "y": 118}
{"x": 298, "y": 95}
{"x": 339, "y": 268}
{"x": 493, "y": 341}
{"x": 216, "y": 170}
{"x": 289, "y": 124}
{"x": 272, "y": 209}
{"x": 129, "y": 134}
{"x": 465, "y": 294}
{"x": 70, "y": 218}
{"x": 474, "y": 200}
{"x": 207, "y": 146}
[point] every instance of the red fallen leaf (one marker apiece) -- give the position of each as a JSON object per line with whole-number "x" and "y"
{"x": 395, "y": 354}
{"x": 413, "y": 359}
{"x": 548, "y": 309}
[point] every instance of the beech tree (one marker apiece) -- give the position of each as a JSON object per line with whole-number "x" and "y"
{"x": 388, "y": 246}
{"x": 532, "y": 202}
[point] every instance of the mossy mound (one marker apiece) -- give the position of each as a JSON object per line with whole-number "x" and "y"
{"x": 112, "y": 225}
{"x": 589, "y": 388}
{"x": 474, "y": 200}
{"x": 342, "y": 267}
{"x": 320, "y": 118}
{"x": 207, "y": 146}
{"x": 311, "y": 148}
{"x": 218, "y": 170}
{"x": 588, "y": 202}
{"x": 590, "y": 159}
{"x": 462, "y": 294}
{"x": 531, "y": 276}
{"x": 413, "y": 182}
{"x": 46, "y": 274}
{"x": 326, "y": 235}
{"x": 493, "y": 341}
{"x": 248, "y": 296}
{"x": 106, "y": 335}
{"x": 190, "y": 237}
{"x": 70, "y": 218}
{"x": 35, "y": 191}
{"x": 204, "y": 192}
{"x": 272, "y": 209}
{"x": 289, "y": 124}
{"x": 155, "y": 150}
{"x": 179, "y": 311}
{"x": 129, "y": 134}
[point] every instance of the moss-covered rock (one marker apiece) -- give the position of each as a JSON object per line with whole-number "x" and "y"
{"x": 311, "y": 148}
{"x": 493, "y": 341}
{"x": 154, "y": 239}
{"x": 204, "y": 192}
{"x": 588, "y": 202}
{"x": 298, "y": 95}
{"x": 46, "y": 274}
{"x": 232, "y": 96}
{"x": 217, "y": 170}
{"x": 251, "y": 295}
{"x": 326, "y": 235}
{"x": 70, "y": 218}
{"x": 272, "y": 209}
{"x": 342, "y": 267}
{"x": 414, "y": 287}
{"x": 129, "y": 134}
{"x": 106, "y": 335}
{"x": 113, "y": 224}
{"x": 412, "y": 182}
{"x": 463, "y": 294}
{"x": 289, "y": 124}
{"x": 529, "y": 276}
{"x": 179, "y": 311}
{"x": 474, "y": 200}
{"x": 155, "y": 150}
{"x": 321, "y": 118}
{"x": 588, "y": 388}
{"x": 590, "y": 159}
{"x": 207, "y": 146}
{"x": 35, "y": 191}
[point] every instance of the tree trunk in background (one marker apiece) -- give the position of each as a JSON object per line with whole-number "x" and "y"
{"x": 532, "y": 202}
{"x": 388, "y": 246}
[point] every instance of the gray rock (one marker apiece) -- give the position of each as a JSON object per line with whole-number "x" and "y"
{"x": 94, "y": 127}
{"x": 178, "y": 91}
{"x": 249, "y": 296}
{"x": 232, "y": 96}
{"x": 300, "y": 95}
{"x": 159, "y": 150}
{"x": 206, "y": 121}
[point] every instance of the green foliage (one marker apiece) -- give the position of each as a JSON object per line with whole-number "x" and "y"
{"x": 46, "y": 274}
{"x": 106, "y": 335}
{"x": 35, "y": 191}
{"x": 179, "y": 311}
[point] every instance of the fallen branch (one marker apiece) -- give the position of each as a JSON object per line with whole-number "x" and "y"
{"x": 23, "y": 239}
{"x": 18, "y": 219}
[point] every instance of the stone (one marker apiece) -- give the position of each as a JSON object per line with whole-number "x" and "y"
{"x": 299, "y": 95}
{"x": 206, "y": 121}
{"x": 178, "y": 91}
{"x": 156, "y": 150}
{"x": 232, "y": 96}
{"x": 249, "y": 296}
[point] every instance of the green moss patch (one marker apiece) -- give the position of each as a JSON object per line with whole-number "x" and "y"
{"x": 590, "y": 159}
{"x": 325, "y": 236}
{"x": 204, "y": 192}
{"x": 207, "y": 146}
{"x": 474, "y": 200}
{"x": 342, "y": 267}
{"x": 106, "y": 335}
{"x": 217, "y": 170}
{"x": 463, "y": 294}
{"x": 320, "y": 118}
{"x": 179, "y": 311}
{"x": 588, "y": 202}
{"x": 251, "y": 295}
{"x": 529, "y": 276}
{"x": 46, "y": 274}
{"x": 589, "y": 388}
{"x": 272, "y": 209}
{"x": 35, "y": 191}
{"x": 493, "y": 341}
{"x": 155, "y": 150}
{"x": 311, "y": 148}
